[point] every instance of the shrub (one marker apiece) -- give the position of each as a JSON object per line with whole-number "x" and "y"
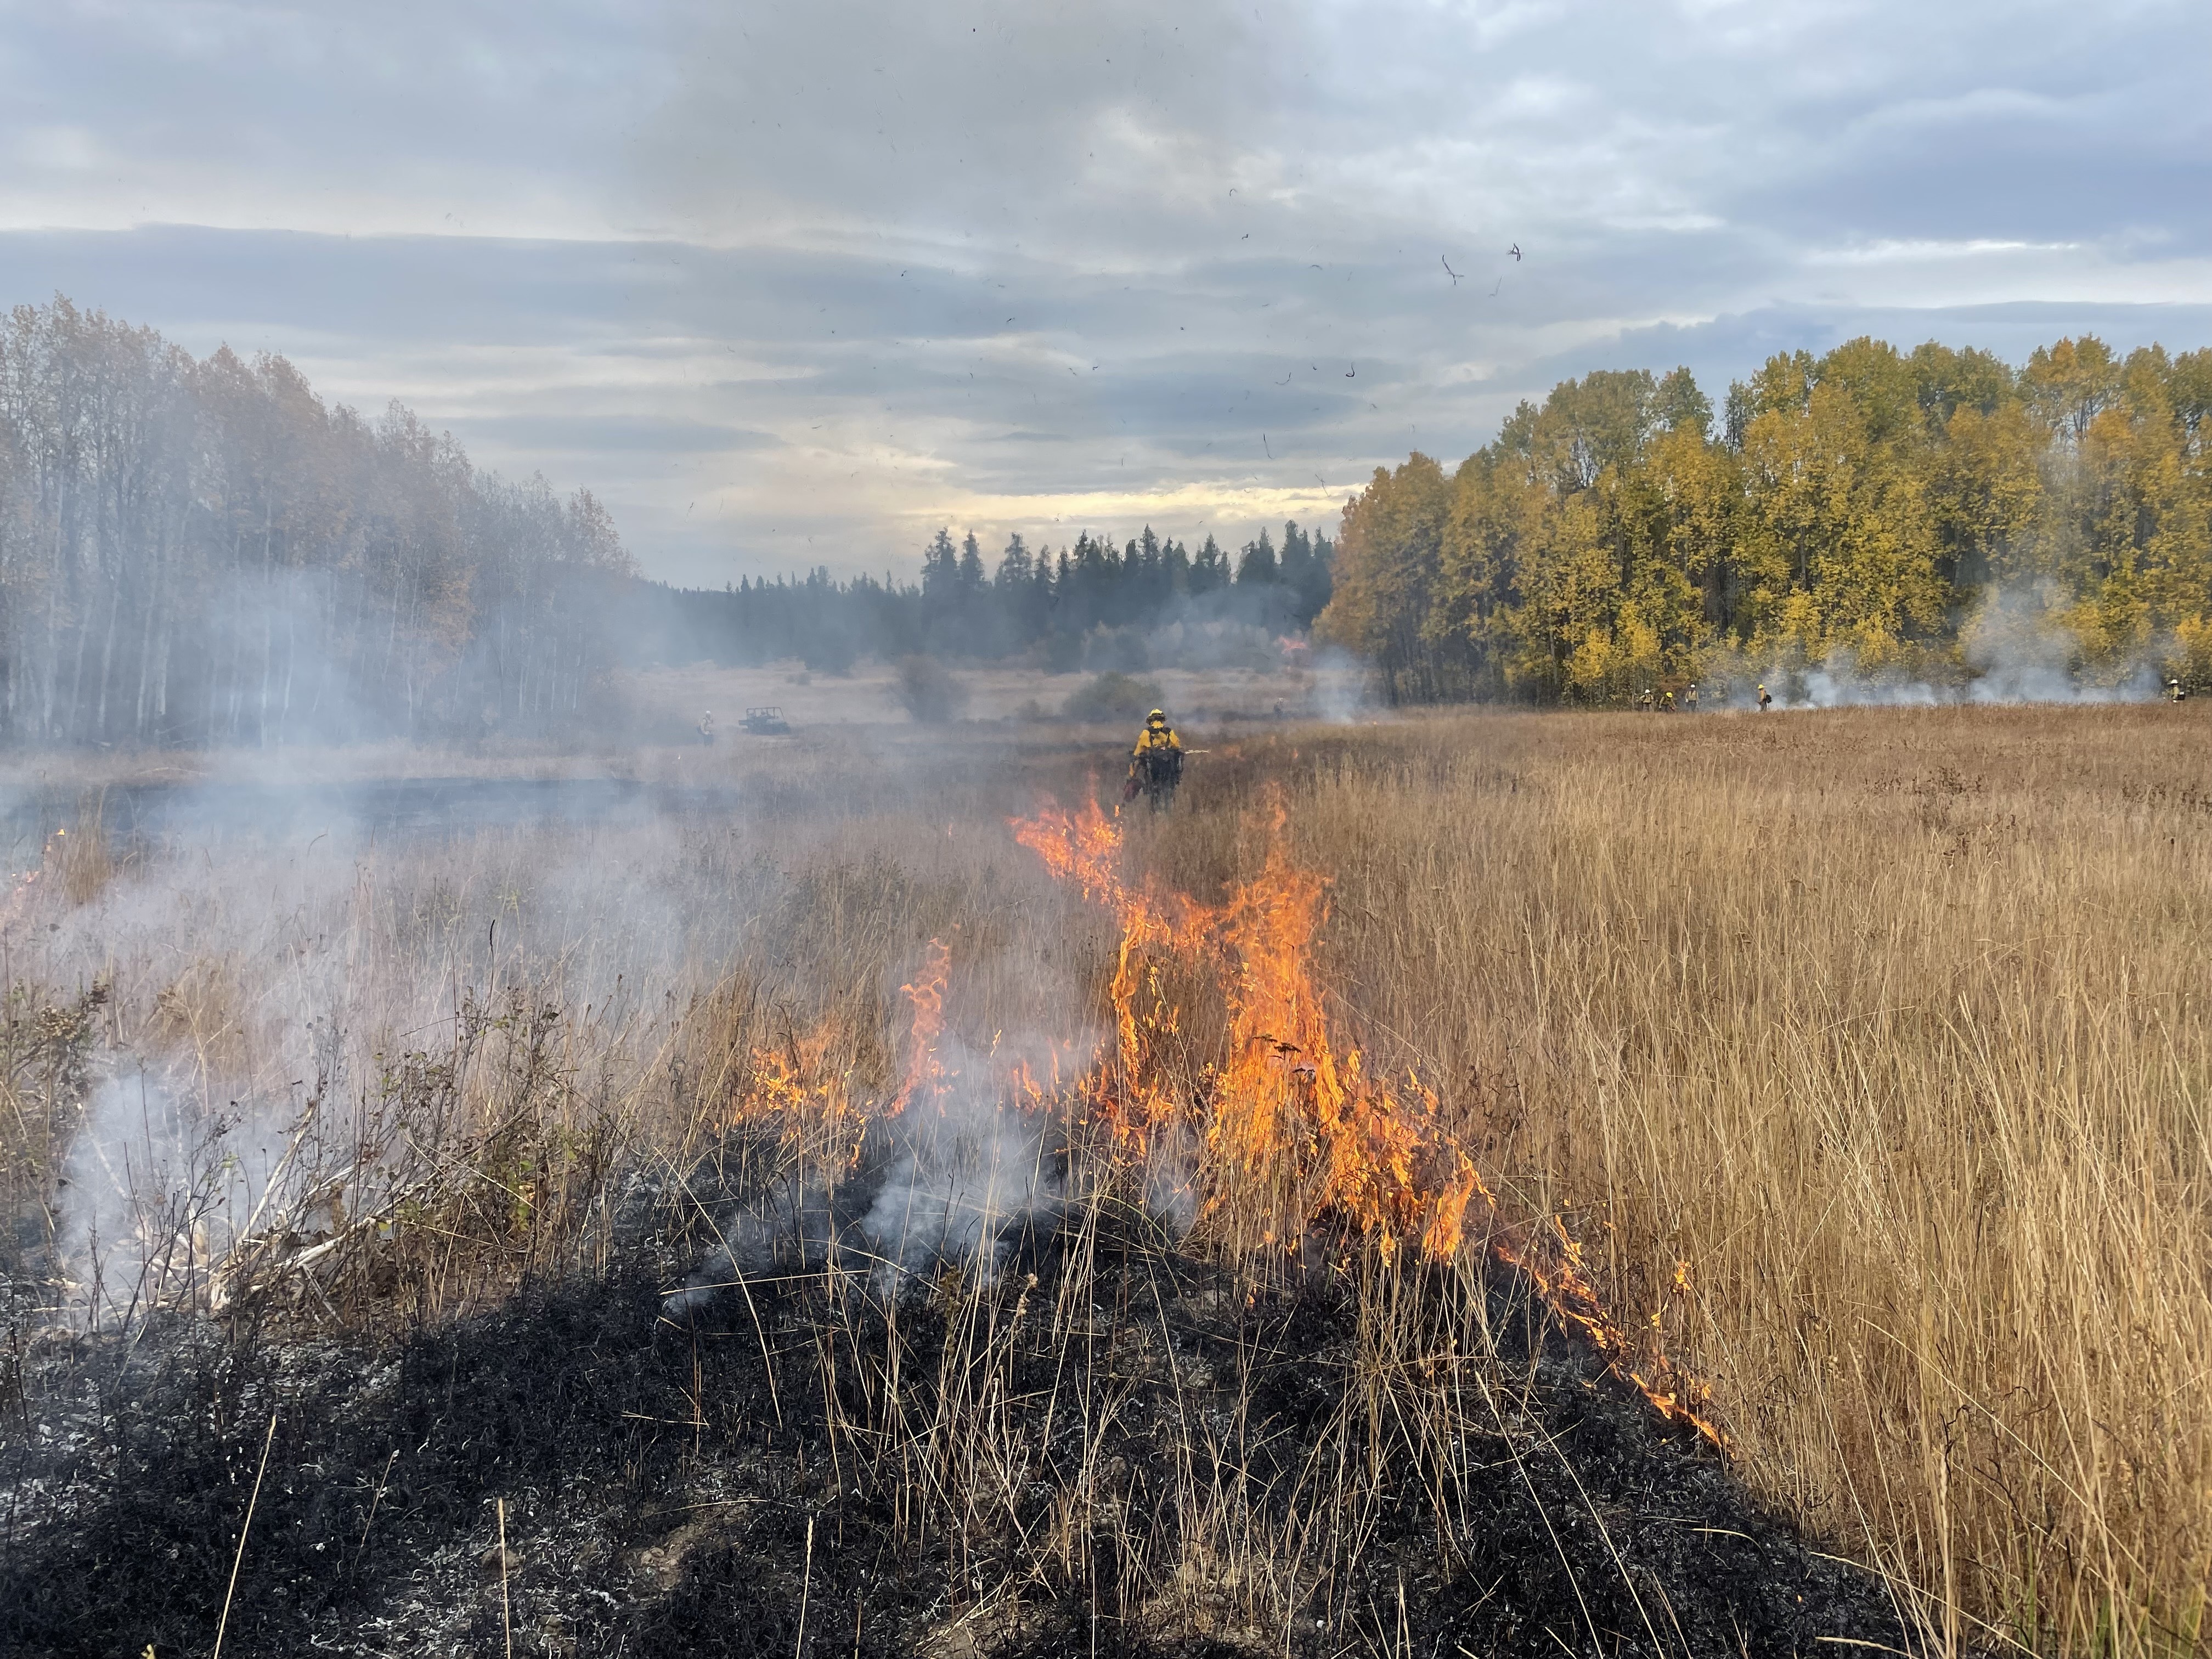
{"x": 1112, "y": 697}
{"x": 928, "y": 692}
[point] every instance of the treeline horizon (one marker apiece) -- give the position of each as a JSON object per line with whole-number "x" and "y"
{"x": 1930, "y": 516}
{"x": 1150, "y": 603}
{"x": 202, "y": 551}
{"x": 198, "y": 552}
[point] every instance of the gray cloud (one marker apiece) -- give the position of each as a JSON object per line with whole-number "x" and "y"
{"x": 584, "y": 434}
{"x": 792, "y": 284}
{"x": 1000, "y": 121}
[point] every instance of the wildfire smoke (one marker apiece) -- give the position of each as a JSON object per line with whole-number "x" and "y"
{"x": 1298, "y": 1140}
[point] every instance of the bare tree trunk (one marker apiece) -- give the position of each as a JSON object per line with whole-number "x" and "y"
{"x": 108, "y": 657}
{"x": 215, "y": 678}
{"x": 157, "y": 568}
{"x": 52, "y": 653}
{"x": 268, "y": 620}
{"x": 291, "y": 657}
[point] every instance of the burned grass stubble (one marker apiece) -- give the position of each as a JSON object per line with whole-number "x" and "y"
{"x": 1112, "y": 1448}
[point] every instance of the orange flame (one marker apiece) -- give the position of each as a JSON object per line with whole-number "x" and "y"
{"x": 926, "y": 1076}
{"x": 1287, "y": 1096}
{"x": 1130, "y": 1091}
{"x": 795, "y": 1087}
{"x": 1298, "y": 1135}
{"x": 1289, "y": 1112}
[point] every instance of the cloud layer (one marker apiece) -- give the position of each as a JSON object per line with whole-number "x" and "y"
{"x": 793, "y": 283}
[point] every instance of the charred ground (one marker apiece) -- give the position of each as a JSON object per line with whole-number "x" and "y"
{"x": 1103, "y": 1447}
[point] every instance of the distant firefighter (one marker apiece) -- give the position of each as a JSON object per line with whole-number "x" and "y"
{"x": 1690, "y": 698}
{"x": 1156, "y": 763}
{"x": 1666, "y": 702}
{"x": 1765, "y": 702}
{"x": 2176, "y": 691}
{"x": 707, "y": 726}
{"x": 1644, "y": 702}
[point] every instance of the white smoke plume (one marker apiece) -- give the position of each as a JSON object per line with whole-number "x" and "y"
{"x": 2015, "y": 648}
{"x": 156, "y": 1194}
{"x": 957, "y": 1184}
{"x": 2022, "y": 653}
{"x": 952, "y": 1183}
{"x": 1343, "y": 687}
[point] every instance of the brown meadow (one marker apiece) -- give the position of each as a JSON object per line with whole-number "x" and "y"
{"x": 1864, "y": 1053}
{"x": 1893, "y": 1025}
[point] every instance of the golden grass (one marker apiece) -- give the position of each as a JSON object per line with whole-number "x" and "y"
{"x": 1891, "y": 1025}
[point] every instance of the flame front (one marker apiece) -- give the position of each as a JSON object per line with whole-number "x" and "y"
{"x": 1294, "y": 1129}
{"x": 927, "y": 1077}
{"x": 1129, "y": 1091}
{"x": 1299, "y": 1137}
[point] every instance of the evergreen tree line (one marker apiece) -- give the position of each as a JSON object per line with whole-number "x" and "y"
{"x": 1914, "y": 515}
{"x": 1089, "y": 604}
{"x": 203, "y": 551}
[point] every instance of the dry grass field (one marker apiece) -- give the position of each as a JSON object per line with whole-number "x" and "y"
{"x": 1860, "y": 1060}
{"x": 869, "y": 694}
{"x": 1894, "y": 1027}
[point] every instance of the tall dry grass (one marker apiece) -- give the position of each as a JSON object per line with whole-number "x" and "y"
{"x": 1894, "y": 1026}
{"x": 444, "y": 1060}
{"x": 1891, "y": 1025}
{"x": 365, "y": 1082}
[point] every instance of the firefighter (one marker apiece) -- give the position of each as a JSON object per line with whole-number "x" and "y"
{"x": 707, "y": 726}
{"x": 2176, "y": 691}
{"x": 1765, "y": 702}
{"x": 1644, "y": 702}
{"x": 1690, "y": 698}
{"x": 1667, "y": 702}
{"x": 1156, "y": 763}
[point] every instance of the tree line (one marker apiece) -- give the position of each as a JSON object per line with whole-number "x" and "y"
{"x": 1090, "y": 605}
{"x": 204, "y": 551}
{"x": 1905, "y": 514}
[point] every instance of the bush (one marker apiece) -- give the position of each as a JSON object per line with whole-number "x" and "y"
{"x": 1126, "y": 649}
{"x": 927, "y": 691}
{"x": 1112, "y": 697}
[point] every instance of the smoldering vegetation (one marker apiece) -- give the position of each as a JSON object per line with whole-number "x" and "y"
{"x": 2013, "y": 648}
{"x": 918, "y": 1388}
{"x": 267, "y": 1020}
{"x": 1118, "y": 1448}
{"x": 955, "y": 1188}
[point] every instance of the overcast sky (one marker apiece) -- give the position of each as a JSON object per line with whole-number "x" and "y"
{"x": 792, "y": 284}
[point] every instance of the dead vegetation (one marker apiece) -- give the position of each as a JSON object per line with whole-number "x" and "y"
{"x": 1859, "y": 1053}
{"x": 1894, "y": 1026}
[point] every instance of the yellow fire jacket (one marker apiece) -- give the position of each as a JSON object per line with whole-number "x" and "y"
{"x": 1155, "y": 737}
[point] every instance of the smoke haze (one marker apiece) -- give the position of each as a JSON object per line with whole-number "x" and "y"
{"x": 2017, "y": 648}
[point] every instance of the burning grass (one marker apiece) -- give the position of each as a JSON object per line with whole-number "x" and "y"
{"x": 1833, "y": 1086}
